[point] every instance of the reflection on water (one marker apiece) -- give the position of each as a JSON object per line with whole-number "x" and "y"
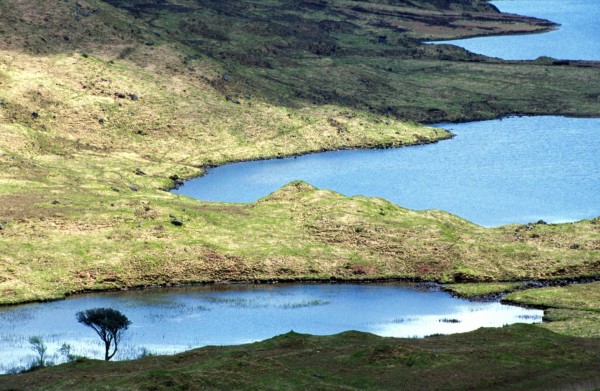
{"x": 177, "y": 319}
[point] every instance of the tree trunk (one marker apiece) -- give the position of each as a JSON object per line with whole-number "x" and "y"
{"x": 106, "y": 349}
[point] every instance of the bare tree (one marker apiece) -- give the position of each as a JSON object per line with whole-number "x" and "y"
{"x": 108, "y": 323}
{"x": 38, "y": 345}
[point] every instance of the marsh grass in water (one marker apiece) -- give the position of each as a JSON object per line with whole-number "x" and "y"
{"x": 176, "y": 319}
{"x": 403, "y": 320}
{"x": 530, "y": 317}
{"x": 303, "y": 304}
{"x": 449, "y": 320}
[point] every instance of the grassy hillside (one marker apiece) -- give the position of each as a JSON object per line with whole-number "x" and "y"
{"x": 104, "y": 104}
{"x": 364, "y": 55}
{"x": 98, "y": 238}
{"x": 519, "y": 357}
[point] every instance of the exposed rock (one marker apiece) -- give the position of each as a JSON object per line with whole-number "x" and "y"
{"x": 178, "y": 183}
{"x": 133, "y": 97}
{"x": 574, "y": 246}
{"x": 138, "y": 171}
{"x": 55, "y": 202}
{"x": 35, "y": 115}
{"x": 134, "y": 188}
{"x": 115, "y": 189}
{"x": 177, "y": 223}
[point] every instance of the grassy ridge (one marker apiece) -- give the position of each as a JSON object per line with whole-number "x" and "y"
{"x": 519, "y": 357}
{"x": 103, "y": 239}
{"x": 102, "y": 102}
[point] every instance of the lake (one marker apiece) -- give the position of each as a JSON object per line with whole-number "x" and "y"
{"x": 514, "y": 170}
{"x": 577, "y": 38}
{"x": 177, "y": 319}
{"x": 493, "y": 172}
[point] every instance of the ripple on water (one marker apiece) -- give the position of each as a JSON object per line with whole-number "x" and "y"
{"x": 177, "y": 319}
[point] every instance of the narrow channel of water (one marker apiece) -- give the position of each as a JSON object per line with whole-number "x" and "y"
{"x": 577, "y": 38}
{"x": 515, "y": 170}
{"x": 177, "y": 319}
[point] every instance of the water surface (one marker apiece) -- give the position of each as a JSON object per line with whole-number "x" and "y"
{"x": 173, "y": 320}
{"x": 577, "y": 38}
{"x": 515, "y": 170}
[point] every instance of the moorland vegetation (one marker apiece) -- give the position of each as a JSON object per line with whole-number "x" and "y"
{"x": 106, "y": 105}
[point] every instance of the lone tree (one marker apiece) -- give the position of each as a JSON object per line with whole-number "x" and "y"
{"x": 108, "y": 323}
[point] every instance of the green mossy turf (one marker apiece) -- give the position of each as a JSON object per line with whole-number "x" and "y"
{"x": 518, "y": 357}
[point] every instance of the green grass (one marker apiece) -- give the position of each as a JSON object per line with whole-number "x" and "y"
{"x": 571, "y": 310}
{"x": 296, "y": 233}
{"x": 518, "y": 357}
{"x": 118, "y": 87}
{"x": 73, "y": 223}
{"x": 584, "y": 297}
{"x": 475, "y": 290}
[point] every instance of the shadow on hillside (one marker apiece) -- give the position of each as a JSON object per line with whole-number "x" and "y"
{"x": 293, "y": 53}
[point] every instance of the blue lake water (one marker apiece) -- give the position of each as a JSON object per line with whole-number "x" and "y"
{"x": 577, "y": 38}
{"x": 492, "y": 173}
{"x": 515, "y": 170}
{"x": 177, "y": 319}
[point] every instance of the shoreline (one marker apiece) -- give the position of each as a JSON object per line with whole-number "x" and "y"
{"x": 218, "y": 245}
{"x": 206, "y": 167}
{"x": 526, "y": 285}
{"x": 543, "y": 30}
{"x": 367, "y": 147}
{"x": 420, "y": 283}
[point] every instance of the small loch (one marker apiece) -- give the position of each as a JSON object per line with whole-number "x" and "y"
{"x": 176, "y": 319}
